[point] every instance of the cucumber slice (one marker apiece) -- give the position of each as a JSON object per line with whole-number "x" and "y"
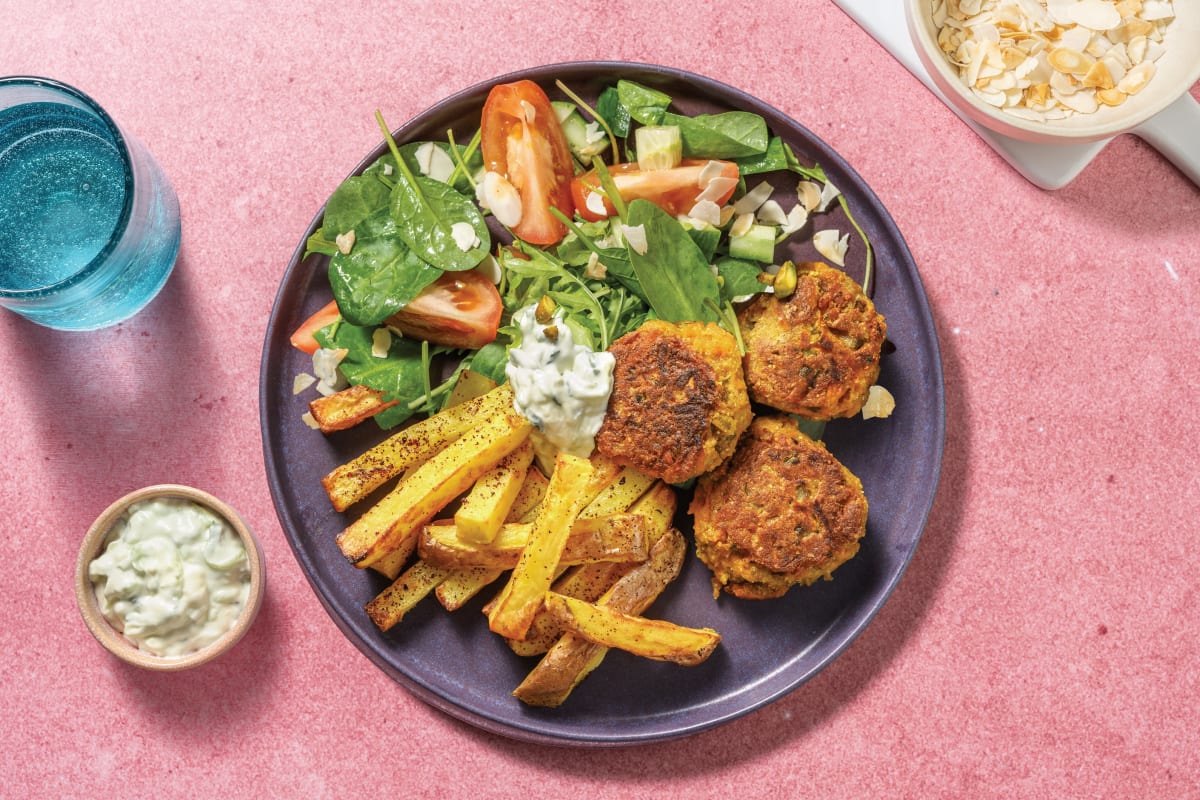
{"x": 585, "y": 141}
{"x": 756, "y": 244}
{"x": 658, "y": 147}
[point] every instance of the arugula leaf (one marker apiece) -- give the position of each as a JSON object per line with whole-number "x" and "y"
{"x": 379, "y": 275}
{"x": 673, "y": 271}
{"x": 644, "y": 104}
{"x": 399, "y": 377}
{"x": 731, "y": 134}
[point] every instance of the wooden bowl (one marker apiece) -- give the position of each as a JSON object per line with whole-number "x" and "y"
{"x": 97, "y": 539}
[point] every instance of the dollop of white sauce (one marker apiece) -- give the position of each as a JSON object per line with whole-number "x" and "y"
{"x": 559, "y": 385}
{"x": 173, "y": 577}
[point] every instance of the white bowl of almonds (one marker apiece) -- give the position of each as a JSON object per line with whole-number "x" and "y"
{"x": 1066, "y": 70}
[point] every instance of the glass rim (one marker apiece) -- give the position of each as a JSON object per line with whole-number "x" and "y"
{"x": 118, "y": 139}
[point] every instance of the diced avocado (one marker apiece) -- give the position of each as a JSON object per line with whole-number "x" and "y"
{"x": 756, "y": 244}
{"x": 585, "y": 140}
{"x": 658, "y": 147}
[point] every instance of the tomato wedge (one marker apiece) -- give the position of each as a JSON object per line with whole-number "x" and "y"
{"x": 459, "y": 309}
{"x": 522, "y": 141}
{"x": 303, "y": 339}
{"x": 673, "y": 190}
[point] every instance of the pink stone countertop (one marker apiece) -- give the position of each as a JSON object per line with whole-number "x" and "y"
{"x": 1042, "y": 643}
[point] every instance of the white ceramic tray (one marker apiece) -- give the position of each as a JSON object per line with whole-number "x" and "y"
{"x": 1050, "y": 166}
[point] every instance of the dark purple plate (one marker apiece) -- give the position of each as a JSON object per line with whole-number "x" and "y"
{"x": 770, "y": 647}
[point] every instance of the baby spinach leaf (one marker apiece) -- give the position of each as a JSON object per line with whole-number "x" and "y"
{"x": 379, "y": 275}
{"x": 707, "y": 239}
{"x": 644, "y": 104}
{"x": 489, "y": 361}
{"x": 738, "y": 278}
{"x": 773, "y": 159}
{"x": 425, "y": 210}
{"x": 731, "y": 134}
{"x": 355, "y": 199}
{"x": 673, "y": 272}
{"x": 608, "y": 106}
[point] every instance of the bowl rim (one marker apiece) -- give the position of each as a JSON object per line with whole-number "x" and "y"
{"x": 1104, "y": 124}
{"x": 93, "y": 544}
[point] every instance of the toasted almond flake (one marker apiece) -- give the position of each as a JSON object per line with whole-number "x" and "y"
{"x": 797, "y": 218}
{"x": 1111, "y": 97}
{"x": 635, "y": 237}
{"x": 717, "y": 187}
{"x": 829, "y": 193}
{"x": 1136, "y": 49}
{"x": 753, "y": 198}
{"x": 595, "y": 204}
{"x": 1136, "y": 79}
{"x": 595, "y": 269}
{"x": 500, "y": 197}
{"x": 1098, "y": 77}
{"x": 308, "y": 419}
{"x": 1129, "y": 8}
{"x": 302, "y": 382}
{"x": 433, "y": 162}
{"x": 713, "y": 169}
{"x": 1083, "y": 102}
{"x": 464, "y": 236}
{"x": 742, "y": 224}
{"x": 1098, "y": 15}
{"x": 727, "y": 213}
{"x": 829, "y": 245}
{"x": 771, "y": 213}
{"x": 880, "y": 403}
{"x": 1155, "y": 10}
{"x": 592, "y": 132}
{"x": 706, "y": 212}
{"x": 381, "y": 343}
{"x": 809, "y": 194}
{"x": 489, "y": 268}
{"x": 344, "y": 242}
{"x": 1072, "y": 62}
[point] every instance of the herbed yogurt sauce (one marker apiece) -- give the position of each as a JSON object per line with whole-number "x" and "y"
{"x": 559, "y": 385}
{"x": 173, "y": 578}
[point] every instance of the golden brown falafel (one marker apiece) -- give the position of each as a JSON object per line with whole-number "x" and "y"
{"x": 815, "y": 354}
{"x": 783, "y": 511}
{"x": 679, "y": 401}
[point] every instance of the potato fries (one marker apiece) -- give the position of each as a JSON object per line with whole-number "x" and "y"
{"x": 586, "y": 550}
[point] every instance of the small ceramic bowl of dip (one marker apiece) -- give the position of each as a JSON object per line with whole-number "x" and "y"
{"x": 1159, "y": 109}
{"x": 169, "y": 577}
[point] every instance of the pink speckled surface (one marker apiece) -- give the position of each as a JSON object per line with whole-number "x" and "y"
{"x": 1042, "y": 643}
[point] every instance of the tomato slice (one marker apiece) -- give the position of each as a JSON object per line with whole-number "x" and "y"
{"x": 522, "y": 140}
{"x": 673, "y": 190}
{"x": 459, "y": 309}
{"x": 303, "y": 339}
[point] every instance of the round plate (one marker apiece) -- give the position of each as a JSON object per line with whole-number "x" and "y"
{"x": 452, "y": 660}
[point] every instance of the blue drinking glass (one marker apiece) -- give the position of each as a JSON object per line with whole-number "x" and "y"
{"x": 89, "y": 224}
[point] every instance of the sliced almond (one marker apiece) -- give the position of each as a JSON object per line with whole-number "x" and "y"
{"x": 1136, "y": 79}
{"x": 1098, "y": 77}
{"x": 1110, "y": 97}
{"x": 1071, "y": 62}
{"x": 1096, "y": 15}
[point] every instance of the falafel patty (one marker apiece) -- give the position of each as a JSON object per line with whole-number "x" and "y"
{"x": 783, "y": 511}
{"x": 678, "y": 402}
{"x": 815, "y": 354}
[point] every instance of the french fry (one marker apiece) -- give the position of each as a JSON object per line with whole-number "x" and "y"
{"x": 522, "y": 596}
{"x": 623, "y": 488}
{"x": 590, "y": 581}
{"x": 490, "y": 500}
{"x": 617, "y": 537}
{"x": 454, "y": 592}
{"x": 469, "y": 386}
{"x": 648, "y": 638}
{"x": 463, "y": 584}
{"x": 572, "y": 657}
{"x": 397, "y": 518}
{"x": 347, "y": 408}
{"x": 390, "y": 605}
{"x": 356, "y": 479}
